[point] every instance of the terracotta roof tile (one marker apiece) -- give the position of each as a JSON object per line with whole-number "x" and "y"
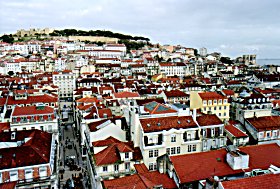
{"x": 126, "y": 95}
{"x": 141, "y": 181}
{"x": 175, "y": 93}
{"x": 208, "y": 119}
{"x": 235, "y": 131}
{"x": 32, "y": 110}
{"x": 211, "y": 96}
{"x": 33, "y": 152}
{"x": 141, "y": 168}
{"x": 265, "y": 123}
{"x": 167, "y": 123}
{"x": 257, "y": 182}
{"x": 198, "y": 166}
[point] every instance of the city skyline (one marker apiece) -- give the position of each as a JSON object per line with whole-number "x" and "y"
{"x": 232, "y": 28}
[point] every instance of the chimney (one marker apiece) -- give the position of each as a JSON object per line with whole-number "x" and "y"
{"x": 237, "y": 159}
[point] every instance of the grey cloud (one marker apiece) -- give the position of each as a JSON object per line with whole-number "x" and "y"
{"x": 232, "y": 27}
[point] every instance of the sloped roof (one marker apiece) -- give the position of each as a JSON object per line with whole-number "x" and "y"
{"x": 211, "y": 96}
{"x": 141, "y": 181}
{"x": 208, "y": 119}
{"x": 110, "y": 155}
{"x": 257, "y": 182}
{"x": 33, "y": 152}
{"x": 167, "y": 123}
{"x": 198, "y": 166}
{"x": 32, "y": 110}
{"x": 157, "y": 108}
{"x": 126, "y": 94}
{"x": 265, "y": 123}
{"x": 175, "y": 93}
{"x": 235, "y": 131}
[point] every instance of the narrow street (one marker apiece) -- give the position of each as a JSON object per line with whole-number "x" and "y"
{"x": 71, "y": 167}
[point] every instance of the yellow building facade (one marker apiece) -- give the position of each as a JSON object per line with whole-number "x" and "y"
{"x": 210, "y": 103}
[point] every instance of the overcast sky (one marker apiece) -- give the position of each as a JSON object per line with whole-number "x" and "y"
{"x": 233, "y": 27}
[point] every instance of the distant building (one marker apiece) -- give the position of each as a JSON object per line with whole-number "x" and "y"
{"x": 211, "y": 103}
{"x": 203, "y": 51}
{"x": 66, "y": 82}
{"x": 249, "y": 59}
{"x": 33, "y": 31}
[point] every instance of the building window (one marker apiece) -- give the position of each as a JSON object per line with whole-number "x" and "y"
{"x": 173, "y": 150}
{"x": 116, "y": 167}
{"x": 220, "y": 114}
{"x": 13, "y": 176}
{"x": 220, "y": 101}
{"x": 215, "y": 101}
{"x": 212, "y": 132}
{"x": 151, "y": 166}
{"x": 127, "y": 166}
{"x": 156, "y": 153}
{"x": 194, "y": 148}
{"x": 220, "y": 108}
{"x": 151, "y": 153}
{"x": 155, "y": 166}
{"x": 126, "y": 155}
{"x": 178, "y": 150}
{"x": 215, "y": 108}
{"x": 168, "y": 151}
{"x": 173, "y": 138}
{"x": 42, "y": 128}
{"x": 204, "y": 108}
{"x": 268, "y": 134}
{"x": 225, "y": 101}
{"x": 209, "y": 102}
{"x": 225, "y": 114}
{"x": 274, "y": 133}
{"x": 261, "y": 135}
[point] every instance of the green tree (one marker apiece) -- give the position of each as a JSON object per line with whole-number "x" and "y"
{"x": 7, "y": 38}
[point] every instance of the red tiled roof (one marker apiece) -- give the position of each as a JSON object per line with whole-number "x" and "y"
{"x": 8, "y": 185}
{"x": 126, "y": 94}
{"x": 175, "y": 93}
{"x": 211, "y": 96}
{"x": 167, "y": 123}
{"x": 33, "y": 152}
{"x": 141, "y": 168}
{"x": 4, "y": 126}
{"x": 108, "y": 141}
{"x": 46, "y": 98}
{"x": 198, "y": 166}
{"x": 88, "y": 100}
{"x": 235, "y": 131}
{"x": 228, "y": 92}
{"x": 258, "y": 182}
{"x": 32, "y": 110}
{"x": 110, "y": 155}
{"x": 207, "y": 120}
{"x": 107, "y": 156}
{"x": 265, "y": 123}
{"x": 141, "y": 181}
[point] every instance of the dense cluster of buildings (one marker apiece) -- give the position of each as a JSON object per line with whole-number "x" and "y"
{"x": 157, "y": 117}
